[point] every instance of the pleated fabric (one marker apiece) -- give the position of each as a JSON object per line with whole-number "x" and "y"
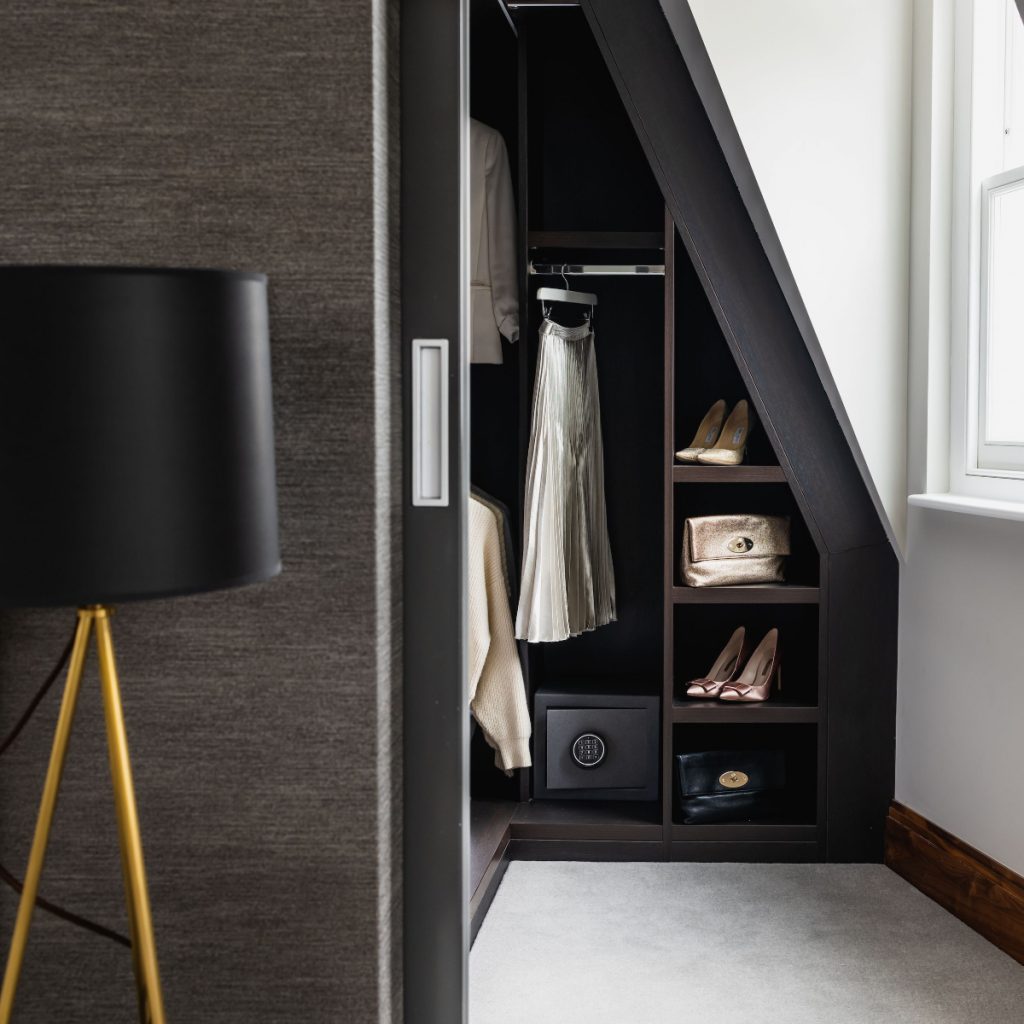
{"x": 568, "y": 582}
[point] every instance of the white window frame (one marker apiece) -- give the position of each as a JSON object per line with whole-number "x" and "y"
{"x": 992, "y": 458}
{"x": 979, "y": 89}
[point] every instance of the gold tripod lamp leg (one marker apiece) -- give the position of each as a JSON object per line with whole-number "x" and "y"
{"x": 47, "y": 806}
{"x": 147, "y": 975}
{"x": 151, "y": 1004}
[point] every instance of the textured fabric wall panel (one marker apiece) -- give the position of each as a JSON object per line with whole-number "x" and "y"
{"x": 254, "y": 134}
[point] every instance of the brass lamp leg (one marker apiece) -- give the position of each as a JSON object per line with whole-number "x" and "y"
{"x": 47, "y": 807}
{"x": 151, "y": 1006}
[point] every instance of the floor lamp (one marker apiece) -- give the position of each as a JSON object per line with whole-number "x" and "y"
{"x": 136, "y": 462}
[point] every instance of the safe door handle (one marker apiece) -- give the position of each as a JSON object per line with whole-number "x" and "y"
{"x": 430, "y": 421}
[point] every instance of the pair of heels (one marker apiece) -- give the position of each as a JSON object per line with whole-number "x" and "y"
{"x": 720, "y": 441}
{"x": 753, "y": 683}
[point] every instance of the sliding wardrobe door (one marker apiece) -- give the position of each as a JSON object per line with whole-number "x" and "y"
{"x": 434, "y": 127}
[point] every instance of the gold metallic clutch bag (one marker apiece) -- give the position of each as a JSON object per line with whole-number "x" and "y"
{"x": 731, "y": 551}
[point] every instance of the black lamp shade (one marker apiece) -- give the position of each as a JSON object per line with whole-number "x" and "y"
{"x": 136, "y": 434}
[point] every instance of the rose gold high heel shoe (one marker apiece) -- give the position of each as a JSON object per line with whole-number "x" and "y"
{"x": 707, "y": 433}
{"x": 731, "y": 447}
{"x": 724, "y": 670}
{"x": 763, "y": 669}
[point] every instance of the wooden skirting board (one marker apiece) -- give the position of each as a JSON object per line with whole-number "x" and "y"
{"x": 972, "y": 886}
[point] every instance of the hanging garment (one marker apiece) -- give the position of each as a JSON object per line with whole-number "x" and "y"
{"x": 568, "y": 583}
{"x": 497, "y": 693}
{"x": 493, "y": 285}
{"x": 501, "y": 514}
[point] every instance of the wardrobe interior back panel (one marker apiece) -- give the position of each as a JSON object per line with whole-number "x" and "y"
{"x": 588, "y": 173}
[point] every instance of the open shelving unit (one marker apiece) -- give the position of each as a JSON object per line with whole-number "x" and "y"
{"x": 600, "y": 183}
{"x": 699, "y": 620}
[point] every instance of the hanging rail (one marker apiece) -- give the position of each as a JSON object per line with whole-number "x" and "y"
{"x": 607, "y": 269}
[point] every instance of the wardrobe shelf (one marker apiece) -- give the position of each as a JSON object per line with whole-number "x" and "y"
{"x": 638, "y": 240}
{"x": 588, "y": 819}
{"x": 783, "y": 593}
{"x": 761, "y": 831}
{"x": 728, "y": 475}
{"x": 717, "y": 712}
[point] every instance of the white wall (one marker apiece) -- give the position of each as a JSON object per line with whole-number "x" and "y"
{"x": 961, "y": 679}
{"x": 960, "y": 722}
{"x": 820, "y": 93}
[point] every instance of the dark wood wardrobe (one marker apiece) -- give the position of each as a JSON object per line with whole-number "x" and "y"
{"x": 623, "y": 153}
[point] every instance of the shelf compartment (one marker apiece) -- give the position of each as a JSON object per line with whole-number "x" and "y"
{"x": 790, "y": 813}
{"x": 588, "y": 819}
{"x": 622, "y": 240}
{"x": 697, "y": 474}
{"x": 718, "y": 497}
{"x": 761, "y": 593}
{"x": 714, "y": 712}
{"x": 701, "y": 631}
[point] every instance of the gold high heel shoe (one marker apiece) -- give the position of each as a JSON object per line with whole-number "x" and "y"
{"x": 732, "y": 444}
{"x": 763, "y": 669}
{"x": 724, "y": 670}
{"x": 707, "y": 433}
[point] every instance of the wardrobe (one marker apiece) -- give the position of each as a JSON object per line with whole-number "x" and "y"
{"x": 623, "y": 156}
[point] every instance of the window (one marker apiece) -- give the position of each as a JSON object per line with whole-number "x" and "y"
{"x": 987, "y": 394}
{"x": 1001, "y": 338}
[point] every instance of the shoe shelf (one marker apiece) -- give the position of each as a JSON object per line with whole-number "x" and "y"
{"x": 683, "y": 474}
{"x": 780, "y": 593}
{"x": 699, "y": 370}
{"x": 775, "y": 710}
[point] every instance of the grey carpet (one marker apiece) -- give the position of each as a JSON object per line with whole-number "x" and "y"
{"x": 570, "y": 943}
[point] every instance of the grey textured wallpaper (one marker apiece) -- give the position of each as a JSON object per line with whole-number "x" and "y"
{"x": 263, "y": 722}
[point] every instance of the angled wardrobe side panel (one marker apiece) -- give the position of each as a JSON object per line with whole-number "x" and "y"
{"x": 770, "y": 350}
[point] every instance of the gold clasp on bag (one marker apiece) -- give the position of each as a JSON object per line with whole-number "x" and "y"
{"x": 740, "y": 544}
{"x": 733, "y": 780}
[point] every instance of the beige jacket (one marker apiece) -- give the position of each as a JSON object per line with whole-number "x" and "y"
{"x": 494, "y": 288}
{"x": 497, "y": 693}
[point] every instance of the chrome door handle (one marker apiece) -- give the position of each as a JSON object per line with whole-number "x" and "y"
{"x": 430, "y": 421}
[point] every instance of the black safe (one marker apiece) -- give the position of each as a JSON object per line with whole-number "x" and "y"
{"x": 595, "y": 744}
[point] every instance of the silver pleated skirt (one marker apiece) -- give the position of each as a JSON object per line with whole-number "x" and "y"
{"x": 568, "y": 583}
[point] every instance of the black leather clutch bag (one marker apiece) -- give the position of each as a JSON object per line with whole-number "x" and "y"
{"x": 729, "y": 785}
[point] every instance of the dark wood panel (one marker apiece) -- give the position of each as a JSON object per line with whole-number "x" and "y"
{"x": 861, "y": 682}
{"x": 759, "y": 853}
{"x": 784, "y": 593}
{"x": 980, "y": 891}
{"x": 766, "y": 832}
{"x": 560, "y": 849}
{"x": 772, "y": 710}
{"x": 434, "y": 886}
{"x": 483, "y": 896}
{"x": 637, "y": 820}
{"x": 668, "y": 540}
{"x": 728, "y": 474}
{"x": 642, "y": 240}
{"x": 489, "y": 831}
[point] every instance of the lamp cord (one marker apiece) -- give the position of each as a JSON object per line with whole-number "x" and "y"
{"x": 6, "y": 876}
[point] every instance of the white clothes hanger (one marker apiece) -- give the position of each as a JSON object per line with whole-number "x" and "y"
{"x": 566, "y": 294}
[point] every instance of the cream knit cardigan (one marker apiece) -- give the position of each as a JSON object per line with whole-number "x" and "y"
{"x": 497, "y": 693}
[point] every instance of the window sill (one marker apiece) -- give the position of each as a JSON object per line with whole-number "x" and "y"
{"x": 988, "y": 507}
